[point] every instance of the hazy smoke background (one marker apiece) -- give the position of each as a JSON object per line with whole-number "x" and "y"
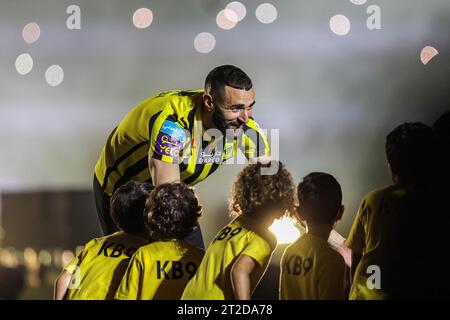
{"x": 334, "y": 98}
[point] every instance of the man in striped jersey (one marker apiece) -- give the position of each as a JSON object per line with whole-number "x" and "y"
{"x": 181, "y": 136}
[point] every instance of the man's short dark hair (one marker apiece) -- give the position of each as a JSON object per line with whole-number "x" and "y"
{"x": 127, "y": 206}
{"x": 226, "y": 75}
{"x": 172, "y": 211}
{"x": 320, "y": 198}
{"x": 409, "y": 151}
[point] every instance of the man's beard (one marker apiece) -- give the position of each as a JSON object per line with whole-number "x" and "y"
{"x": 221, "y": 124}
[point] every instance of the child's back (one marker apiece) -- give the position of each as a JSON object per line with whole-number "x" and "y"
{"x": 237, "y": 258}
{"x": 162, "y": 269}
{"x": 98, "y": 269}
{"x": 389, "y": 233}
{"x": 311, "y": 270}
{"x": 212, "y": 281}
{"x": 168, "y": 267}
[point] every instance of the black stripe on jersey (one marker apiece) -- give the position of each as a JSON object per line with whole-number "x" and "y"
{"x": 156, "y": 156}
{"x": 119, "y": 161}
{"x": 132, "y": 171}
{"x": 196, "y": 174}
{"x": 186, "y": 93}
{"x": 186, "y": 125}
{"x": 151, "y": 123}
{"x": 191, "y": 117}
{"x": 173, "y": 117}
{"x": 183, "y": 166}
{"x": 213, "y": 168}
{"x": 253, "y": 135}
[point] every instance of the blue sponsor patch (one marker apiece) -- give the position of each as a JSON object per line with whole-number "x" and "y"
{"x": 173, "y": 130}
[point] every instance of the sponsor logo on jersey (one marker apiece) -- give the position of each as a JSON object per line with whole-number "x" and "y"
{"x": 173, "y": 130}
{"x": 166, "y": 145}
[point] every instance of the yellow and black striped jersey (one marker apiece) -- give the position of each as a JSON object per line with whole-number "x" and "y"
{"x": 311, "y": 270}
{"x": 168, "y": 127}
{"x": 160, "y": 271}
{"x": 98, "y": 269}
{"x": 212, "y": 280}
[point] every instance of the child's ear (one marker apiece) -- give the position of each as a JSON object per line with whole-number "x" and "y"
{"x": 340, "y": 213}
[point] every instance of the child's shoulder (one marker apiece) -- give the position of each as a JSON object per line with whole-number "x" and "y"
{"x": 377, "y": 195}
{"x": 313, "y": 245}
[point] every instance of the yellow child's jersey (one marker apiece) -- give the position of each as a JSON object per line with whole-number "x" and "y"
{"x": 98, "y": 269}
{"x": 160, "y": 271}
{"x": 167, "y": 127}
{"x": 212, "y": 280}
{"x": 311, "y": 270}
{"x": 388, "y": 231}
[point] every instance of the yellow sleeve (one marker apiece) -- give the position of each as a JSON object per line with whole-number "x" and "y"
{"x": 254, "y": 142}
{"x": 357, "y": 238}
{"x": 331, "y": 279}
{"x": 167, "y": 139}
{"x": 258, "y": 249}
{"x": 130, "y": 287}
{"x": 80, "y": 257}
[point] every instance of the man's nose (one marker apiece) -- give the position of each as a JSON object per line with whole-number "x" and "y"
{"x": 245, "y": 114}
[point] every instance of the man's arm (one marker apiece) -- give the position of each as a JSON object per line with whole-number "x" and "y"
{"x": 240, "y": 277}
{"x": 61, "y": 285}
{"x": 163, "y": 172}
{"x": 337, "y": 242}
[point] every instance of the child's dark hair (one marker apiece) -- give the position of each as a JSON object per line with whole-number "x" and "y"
{"x": 442, "y": 126}
{"x": 409, "y": 151}
{"x": 127, "y": 206}
{"x": 320, "y": 198}
{"x": 171, "y": 211}
{"x": 253, "y": 192}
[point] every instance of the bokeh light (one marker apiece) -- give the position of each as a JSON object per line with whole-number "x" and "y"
{"x": 340, "y": 24}
{"x": 31, "y": 258}
{"x": 54, "y": 75}
{"x": 142, "y": 18}
{"x": 45, "y": 258}
{"x": 358, "y": 2}
{"x": 266, "y": 13}
{"x": 226, "y": 19}
{"x": 285, "y": 230}
{"x": 427, "y": 54}
{"x": 9, "y": 257}
{"x": 238, "y": 8}
{"x": 204, "y": 42}
{"x": 57, "y": 257}
{"x": 31, "y": 32}
{"x": 67, "y": 257}
{"x": 24, "y": 63}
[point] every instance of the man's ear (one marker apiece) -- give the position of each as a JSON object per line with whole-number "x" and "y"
{"x": 340, "y": 213}
{"x": 207, "y": 102}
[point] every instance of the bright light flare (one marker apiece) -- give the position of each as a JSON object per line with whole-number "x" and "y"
{"x": 285, "y": 230}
